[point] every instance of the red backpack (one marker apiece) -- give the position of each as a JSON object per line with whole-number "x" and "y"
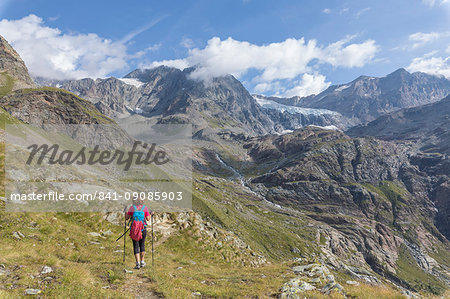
{"x": 137, "y": 223}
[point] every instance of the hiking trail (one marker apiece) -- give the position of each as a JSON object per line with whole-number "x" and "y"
{"x": 137, "y": 283}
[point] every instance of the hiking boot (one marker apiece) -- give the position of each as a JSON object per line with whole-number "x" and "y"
{"x": 143, "y": 264}
{"x": 137, "y": 266}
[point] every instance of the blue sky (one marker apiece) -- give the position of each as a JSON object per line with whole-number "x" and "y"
{"x": 274, "y": 47}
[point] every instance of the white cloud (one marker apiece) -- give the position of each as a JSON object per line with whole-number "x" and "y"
{"x": 52, "y": 54}
{"x": 265, "y": 87}
{"x": 309, "y": 84}
{"x": 151, "y": 48}
{"x": 176, "y": 63}
{"x": 352, "y": 55}
{"x": 432, "y": 3}
{"x": 429, "y": 2}
{"x": 52, "y": 19}
{"x": 187, "y": 43}
{"x": 285, "y": 60}
{"x": 362, "y": 11}
{"x": 139, "y": 30}
{"x": 431, "y": 65}
{"x": 420, "y": 38}
{"x": 326, "y": 11}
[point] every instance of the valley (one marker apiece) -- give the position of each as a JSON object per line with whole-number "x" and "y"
{"x": 290, "y": 196}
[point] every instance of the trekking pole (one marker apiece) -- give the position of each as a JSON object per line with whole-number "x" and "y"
{"x": 153, "y": 261}
{"x": 124, "y": 232}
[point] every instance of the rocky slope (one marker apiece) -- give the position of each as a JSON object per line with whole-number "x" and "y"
{"x": 51, "y": 106}
{"x": 11, "y": 64}
{"x": 366, "y": 98}
{"x": 427, "y": 125}
{"x": 53, "y": 109}
{"x": 223, "y": 103}
{"x": 111, "y": 96}
{"x": 379, "y": 200}
{"x": 426, "y": 128}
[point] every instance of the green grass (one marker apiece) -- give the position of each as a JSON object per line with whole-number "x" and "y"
{"x": 81, "y": 105}
{"x": 6, "y": 118}
{"x": 267, "y": 232}
{"x": 441, "y": 254}
{"x": 205, "y": 270}
{"x": 49, "y": 88}
{"x": 415, "y": 277}
{"x": 82, "y": 269}
{"x": 6, "y": 84}
{"x": 322, "y": 239}
{"x": 60, "y": 240}
{"x": 396, "y": 195}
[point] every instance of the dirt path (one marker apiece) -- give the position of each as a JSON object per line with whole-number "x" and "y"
{"x": 140, "y": 287}
{"x": 136, "y": 283}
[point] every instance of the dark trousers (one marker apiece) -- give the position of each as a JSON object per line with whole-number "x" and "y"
{"x": 139, "y": 246}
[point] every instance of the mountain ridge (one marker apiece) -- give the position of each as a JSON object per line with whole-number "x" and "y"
{"x": 427, "y": 124}
{"x": 366, "y": 98}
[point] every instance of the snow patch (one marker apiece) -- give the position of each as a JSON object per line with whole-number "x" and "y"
{"x": 286, "y": 132}
{"x": 137, "y": 110}
{"x": 331, "y": 127}
{"x": 131, "y": 81}
{"x": 269, "y": 104}
{"x": 341, "y": 88}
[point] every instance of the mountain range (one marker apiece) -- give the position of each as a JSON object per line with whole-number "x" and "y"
{"x": 324, "y": 205}
{"x": 366, "y": 98}
{"x": 428, "y": 125}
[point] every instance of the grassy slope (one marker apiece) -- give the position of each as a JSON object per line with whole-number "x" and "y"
{"x": 6, "y": 84}
{"x": 80, "y": 103}
{"x": 56, "y": 240}
{"x": 59, "y": 241}
{"x": 205, "y": 269}
{"x": 266, "y": 231}
{"x": 415, "y": 277}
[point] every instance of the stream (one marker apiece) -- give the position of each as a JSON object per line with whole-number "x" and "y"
{"x": 238, "y": 176}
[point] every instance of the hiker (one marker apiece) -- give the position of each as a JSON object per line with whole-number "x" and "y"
{"x": 140, "y": 216}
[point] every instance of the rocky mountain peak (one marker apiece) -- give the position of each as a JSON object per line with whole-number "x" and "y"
{"x": 12, "y": 65}
{"x": 366, "y": 98}
{"x": 400, "y": 72}
{"x": 147, "y": 75}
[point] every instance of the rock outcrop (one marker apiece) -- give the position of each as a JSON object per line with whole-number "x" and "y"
{"x": 11, "y": 64}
